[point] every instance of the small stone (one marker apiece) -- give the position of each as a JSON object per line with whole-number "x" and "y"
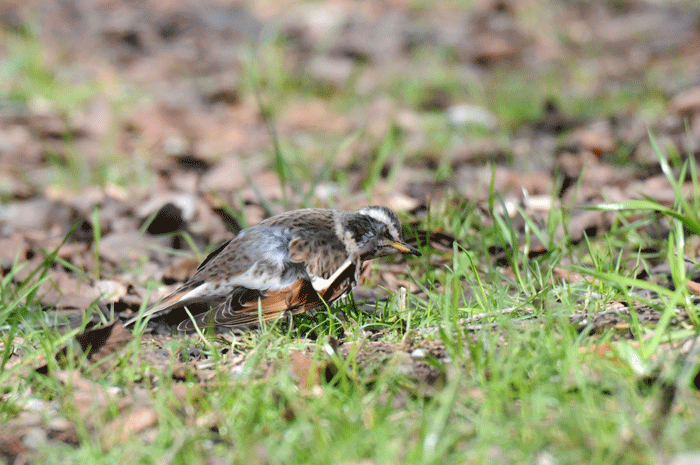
{"x": 401, "y": 202}
{"x": 545, "y": 458}
{"x": 110, "y": 290}
{"x": 35, "y": 405}
{"x": 418, "y": 354}
{"x": 113, "y": 391}
{"x": 472, "y": 115}
{"x": 59, "y": 424}
{"x": 328, "y": 190}
{"x": 35, "y": 438}
{"x": 175, "y": 146}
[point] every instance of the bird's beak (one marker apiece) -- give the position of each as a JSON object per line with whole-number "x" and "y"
{"x": 405, "y": 248}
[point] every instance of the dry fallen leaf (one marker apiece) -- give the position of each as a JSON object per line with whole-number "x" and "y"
{"x": 693, "y": 287}
{"x": 12, "y": 449}
{"x": 119, "y": 430}
{"x": 305, "y": 371}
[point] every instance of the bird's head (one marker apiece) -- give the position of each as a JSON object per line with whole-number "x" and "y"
{"x": 375, "y": 232}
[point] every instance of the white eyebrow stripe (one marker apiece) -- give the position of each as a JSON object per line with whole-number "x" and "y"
{"x": 378, "y": 215}
{"x": 321, "y": 285}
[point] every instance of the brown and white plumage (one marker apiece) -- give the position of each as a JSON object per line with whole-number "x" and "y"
{"x": 292, "y": 262}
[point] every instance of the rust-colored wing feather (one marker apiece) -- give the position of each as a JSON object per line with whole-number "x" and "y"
{"x": 300, "y": 297}
{"x": 246, "y": 310}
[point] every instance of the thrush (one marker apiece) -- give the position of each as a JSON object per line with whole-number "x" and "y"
{"x": 293, "y": 262}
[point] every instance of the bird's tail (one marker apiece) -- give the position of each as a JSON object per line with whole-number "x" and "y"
{"x": 163, "y": 306}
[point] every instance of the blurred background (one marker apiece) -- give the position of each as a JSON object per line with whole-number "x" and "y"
{"x": 340, "y": 101}
{"x": 210, "y": 115}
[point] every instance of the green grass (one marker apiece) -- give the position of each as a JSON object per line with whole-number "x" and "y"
{"x": 520, "y": 382}
{"x": 525, "y": 386}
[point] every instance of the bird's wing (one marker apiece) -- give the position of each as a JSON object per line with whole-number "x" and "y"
{"x": 255, "y": 259}
{"x": 246, "y": 307}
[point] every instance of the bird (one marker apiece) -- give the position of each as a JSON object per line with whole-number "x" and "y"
{"x": 292, "y": 262}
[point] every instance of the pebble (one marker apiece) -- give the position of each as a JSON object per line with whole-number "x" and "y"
{"x": 35, "y": 405}
{"x": 472, "y": 115}
{"x": 35, "y": 438}
{"x": 58, "y": 424}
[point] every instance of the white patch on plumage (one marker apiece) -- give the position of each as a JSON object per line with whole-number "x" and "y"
{"x": 252, "y": 278}
{"x": 321, "y": 284}
{"x": 393, "y": 232}
{"x": 200, "y": 290}
{"x": 345, "y": 236}
{"x": 376, "y": 213}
